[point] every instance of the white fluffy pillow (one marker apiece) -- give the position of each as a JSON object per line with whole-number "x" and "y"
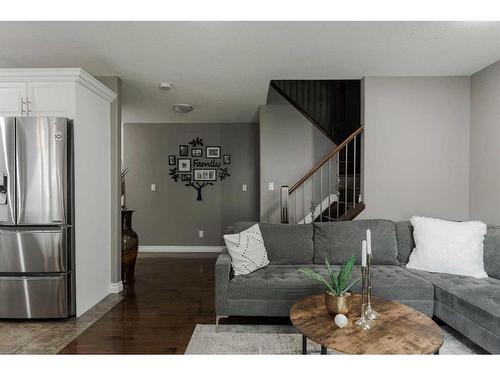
{"x": 448, "y": 246}
{"x": 247, "y": 250}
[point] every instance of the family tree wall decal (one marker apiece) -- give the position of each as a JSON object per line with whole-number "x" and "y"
{"x": 198, "y": 166}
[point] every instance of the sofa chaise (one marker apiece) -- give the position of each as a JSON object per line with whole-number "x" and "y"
{"x": 469, "y": 305}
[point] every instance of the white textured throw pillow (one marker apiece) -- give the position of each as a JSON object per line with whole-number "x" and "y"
{"x": 247, "y": 250}
{"x": 448, "y": 246}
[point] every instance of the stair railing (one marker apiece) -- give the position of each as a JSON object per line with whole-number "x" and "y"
{"x": 331, "y": 190}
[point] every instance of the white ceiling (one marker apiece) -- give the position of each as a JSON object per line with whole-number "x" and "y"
{"x": 224, "y": 68}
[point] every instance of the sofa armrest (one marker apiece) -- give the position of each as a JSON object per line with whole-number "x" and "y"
{"x": 222, "y": 276}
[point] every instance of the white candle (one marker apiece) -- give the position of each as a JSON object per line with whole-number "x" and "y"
{"x": 369, "y": 241}
{"x": 363, "y": 253}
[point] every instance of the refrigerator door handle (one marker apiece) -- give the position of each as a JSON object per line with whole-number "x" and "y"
{"x": 3, "y": 188}
{"x": 7, "y": 170}
{"x": 3, "y": 183}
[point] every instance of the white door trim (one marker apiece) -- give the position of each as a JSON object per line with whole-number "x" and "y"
{"x": 116, "y": 287}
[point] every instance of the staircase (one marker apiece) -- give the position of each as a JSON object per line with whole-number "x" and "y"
{"x": 332, "y": 189}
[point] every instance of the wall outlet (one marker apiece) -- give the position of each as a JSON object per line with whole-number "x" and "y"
{"x": 153, "y": 187}
{"x": 271, "y": 186}
{"x": 244, "y": 187}
{"x": 200, "y": 233}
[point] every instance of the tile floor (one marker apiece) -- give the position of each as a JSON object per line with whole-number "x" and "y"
{"x": 50, "y": 336}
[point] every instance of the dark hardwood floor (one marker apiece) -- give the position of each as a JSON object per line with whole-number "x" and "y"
{"x": 172, "y": 293}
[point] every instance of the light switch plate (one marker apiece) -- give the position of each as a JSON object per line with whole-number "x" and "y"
{"x": 244, "y": 187}
{"x": 153, "y": 187}
{"x": 271, "y": 186}
{"x": 200, "y": 233}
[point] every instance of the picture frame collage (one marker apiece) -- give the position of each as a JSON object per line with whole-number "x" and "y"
{"x": 183, "y": 161}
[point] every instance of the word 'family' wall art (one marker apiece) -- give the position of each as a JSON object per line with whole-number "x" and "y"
{"x": 198, "y": 165}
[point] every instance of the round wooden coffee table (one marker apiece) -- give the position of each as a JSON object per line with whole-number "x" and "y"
{"x": 400, "y": 329}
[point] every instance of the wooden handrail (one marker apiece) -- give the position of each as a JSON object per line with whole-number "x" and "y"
{"x": 326, "y": 158}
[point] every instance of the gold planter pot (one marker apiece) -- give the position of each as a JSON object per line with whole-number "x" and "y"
{"x": 338, "y": 304}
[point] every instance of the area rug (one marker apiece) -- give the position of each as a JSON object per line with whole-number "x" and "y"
{"x": 284, "y": 339}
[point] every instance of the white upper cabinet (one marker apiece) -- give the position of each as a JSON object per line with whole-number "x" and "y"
{"x": 46, "y": 92}
{"x": 12, "y": 98}
{"x": 50, "y": 99}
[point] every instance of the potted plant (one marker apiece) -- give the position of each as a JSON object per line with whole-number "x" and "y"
{"x": 337, "y": 294}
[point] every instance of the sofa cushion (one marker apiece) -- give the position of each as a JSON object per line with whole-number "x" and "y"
{"x": 406, "y": 244}
{"x": 285, "y": 243}
{"x": 476, "y": 299}
{"x": 405, "y": 241}
{"x": 492, "y": 251}
{"x": 337, "y": 241}
{"x": 278, "y": 282}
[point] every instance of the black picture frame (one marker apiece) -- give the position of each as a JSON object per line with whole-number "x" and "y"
{"x": 205, "y": 174}
{"x": 172, "y": 160}
{"x": 185, "y": 177}
{"x": 226, "y": 159}
{"x": 184, "y": 165}
{"x": 183, "y": 151}
{"x": 197, "y": 152}
{"x": 209, "y": 152}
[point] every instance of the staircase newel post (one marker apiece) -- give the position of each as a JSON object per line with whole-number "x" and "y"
{"x": 284, "y": 195}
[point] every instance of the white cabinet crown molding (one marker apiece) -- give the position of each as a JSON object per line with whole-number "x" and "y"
{"x": 59, "y": 74}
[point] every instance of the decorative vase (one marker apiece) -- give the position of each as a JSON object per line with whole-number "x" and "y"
{"x": 338, "y": 304}
{"x": 130, "y": 245}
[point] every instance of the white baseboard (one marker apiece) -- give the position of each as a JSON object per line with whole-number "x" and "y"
{"x": 116, "y": 287}
{"x": 181, "y": 249}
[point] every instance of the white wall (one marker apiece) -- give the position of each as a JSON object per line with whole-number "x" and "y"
{"x": 416, "y": 147}
{"x": 92, "y": 141}
{"x": 485, "y": 145}
{"x": 115, "y": 83}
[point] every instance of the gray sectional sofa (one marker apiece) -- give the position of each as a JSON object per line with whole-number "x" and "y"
{"x": 470, "y": 305}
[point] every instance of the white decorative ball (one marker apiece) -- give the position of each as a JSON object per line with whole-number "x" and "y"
{"x": 341, "y": 320}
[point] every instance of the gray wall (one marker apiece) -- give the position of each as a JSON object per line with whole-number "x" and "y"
{"x": 485, "y": 145}
{"x": 416, "y": 147}
{"x": 115, "y": 84}
{"x": 289, "y": 146}
{"x": 171, "y": 216}
{"x": 275, "y": 98}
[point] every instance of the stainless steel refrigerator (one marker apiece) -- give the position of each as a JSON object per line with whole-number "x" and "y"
{"x": 36, "y": 218}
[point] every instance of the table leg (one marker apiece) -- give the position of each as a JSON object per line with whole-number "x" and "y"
{"x": 323, "y": 349}
{"x": 304, "y": 344}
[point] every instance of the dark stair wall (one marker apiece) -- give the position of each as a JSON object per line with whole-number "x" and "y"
{"x": 334, "y": 106}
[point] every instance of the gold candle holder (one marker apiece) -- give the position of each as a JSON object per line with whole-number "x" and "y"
{"x": 363, "y": 322}
{"x": 370, "y": 312}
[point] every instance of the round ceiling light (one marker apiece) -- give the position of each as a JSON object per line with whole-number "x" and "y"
{"x": 165, "y": 85}
{"x": 182, "y": 108}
